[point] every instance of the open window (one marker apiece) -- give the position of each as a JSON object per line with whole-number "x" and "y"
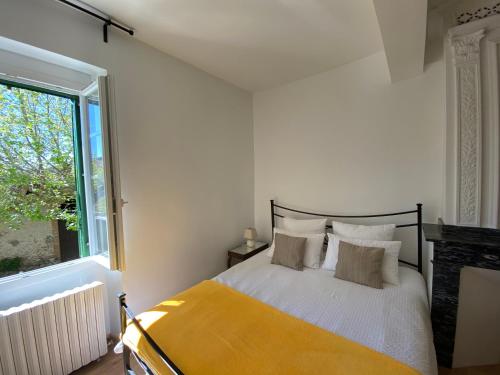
{"x": 59, "y": 187}
{"x": 42, "y": 207}
{"x": 103, "y": 201}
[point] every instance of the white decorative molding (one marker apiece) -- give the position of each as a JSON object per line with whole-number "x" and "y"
{"x": 469, "y": 147}
{"x": 466, "y": 48}
{"x": 491, "y": 166}
{"x": 471, "y": 190}
{"x": 466, "y": 60}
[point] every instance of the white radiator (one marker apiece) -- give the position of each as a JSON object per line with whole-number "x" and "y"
{"x": 54, "y": 335}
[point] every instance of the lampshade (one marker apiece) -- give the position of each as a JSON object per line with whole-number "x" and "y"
{"x": 250, "y": 234}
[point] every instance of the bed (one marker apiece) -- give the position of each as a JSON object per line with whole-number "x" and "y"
{"x": 393, "y": 321}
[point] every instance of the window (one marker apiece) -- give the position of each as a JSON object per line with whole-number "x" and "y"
{"x": 42, "y": 208}
{"x": 57, "y": 189}
{"x": 102, "y": 183}
{"x": 95, "y": 178}
{"x": 96, "y": 175}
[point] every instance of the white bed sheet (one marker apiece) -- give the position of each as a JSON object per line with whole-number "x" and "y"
{"x": 394, "y": 320}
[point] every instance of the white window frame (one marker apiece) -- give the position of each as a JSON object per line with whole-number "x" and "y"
{"x": 114, "y": 202}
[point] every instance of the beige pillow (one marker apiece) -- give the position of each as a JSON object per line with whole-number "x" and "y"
{"x": 360, "y": 264}
{"x": 314, "y": 246}
{"x": 289, "y": 251}
{"x": 390, "y": 265}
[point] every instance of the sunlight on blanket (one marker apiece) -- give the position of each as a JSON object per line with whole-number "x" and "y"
{"x": 148, "y": 318}
{"x": 172, "y": 303}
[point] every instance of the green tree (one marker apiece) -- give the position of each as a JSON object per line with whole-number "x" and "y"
{"x": 37, "y": 178}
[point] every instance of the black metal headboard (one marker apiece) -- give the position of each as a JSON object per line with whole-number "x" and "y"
{"x": 418, "y": 224}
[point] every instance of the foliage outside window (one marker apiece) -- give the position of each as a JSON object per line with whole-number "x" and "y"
{"x": 53, "y": 187}
{"x": 37, "y": 176}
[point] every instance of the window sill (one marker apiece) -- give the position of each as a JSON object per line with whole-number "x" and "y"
{"x": 103, "y": 260}
{"x": 99, "y": 259}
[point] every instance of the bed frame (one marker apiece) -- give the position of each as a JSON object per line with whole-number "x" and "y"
{"x": 418, "y": 212}
{"x": 126, "y": 313}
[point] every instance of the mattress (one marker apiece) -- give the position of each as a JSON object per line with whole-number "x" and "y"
{"x": 394, "y": 320}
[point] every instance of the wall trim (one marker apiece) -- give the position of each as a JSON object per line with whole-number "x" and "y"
{"x": 493, "y": 116}
{"x": 466, "y": 62}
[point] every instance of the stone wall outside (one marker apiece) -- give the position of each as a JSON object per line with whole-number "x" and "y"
{"x": 35, "y": 242}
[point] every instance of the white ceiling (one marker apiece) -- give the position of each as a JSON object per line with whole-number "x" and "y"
{"x": 254, "y": 44}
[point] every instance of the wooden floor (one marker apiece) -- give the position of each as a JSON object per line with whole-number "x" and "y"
{"x": 480, "y": 370}
{"x": 111, "y": 364}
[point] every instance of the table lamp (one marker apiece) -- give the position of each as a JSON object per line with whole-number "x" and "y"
{"x": 250, "y": 235}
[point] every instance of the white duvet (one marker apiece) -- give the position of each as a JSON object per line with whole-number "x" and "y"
{"x": 394, "y": 320}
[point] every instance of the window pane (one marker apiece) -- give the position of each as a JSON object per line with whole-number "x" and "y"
{"x": 39, "y": 223}
{"x": 97, "y": 177}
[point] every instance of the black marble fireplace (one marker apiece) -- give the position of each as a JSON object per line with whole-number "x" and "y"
{"x": 454, "y": 248}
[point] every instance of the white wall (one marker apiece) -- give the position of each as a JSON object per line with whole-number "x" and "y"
{"x": 185, "y": 143}
{"x": 349, "y": 141}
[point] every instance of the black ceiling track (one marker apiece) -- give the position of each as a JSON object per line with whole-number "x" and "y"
{"x": 107, "y": 21}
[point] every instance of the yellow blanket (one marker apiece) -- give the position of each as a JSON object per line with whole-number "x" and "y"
{"x": 213, "y": 329}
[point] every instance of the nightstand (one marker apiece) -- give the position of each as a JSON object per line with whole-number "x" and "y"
{"x": 242, "y": 252}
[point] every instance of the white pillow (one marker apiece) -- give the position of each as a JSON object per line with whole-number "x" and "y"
{"x": 314, "y": 246}
{"x": 390, "y": 266}
{"x": 383, "y": 232}
{"x": 304, "y": 225}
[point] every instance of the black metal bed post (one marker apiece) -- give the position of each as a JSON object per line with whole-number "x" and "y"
{"x": 272, "y": 217}
{"x": 125, "y": 314}
{"x": 123, "y": 326}
{"x": 419, "y": 236}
